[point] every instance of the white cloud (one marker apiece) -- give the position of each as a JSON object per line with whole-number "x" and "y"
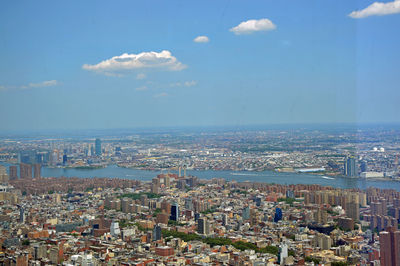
{"x": 128, "y": 62}
{"x": 184, "y": 84}
{"x": 377, "y": 9}
{"x": 143, "y": 88}
{"x": 201, "y": 39}
{"x": 160, "y": 95}
{"x": 46, "y": 83}
{"x": 190, "y": 83}
{"x": 253, "y": 25}
{"x": 140, "y": 76}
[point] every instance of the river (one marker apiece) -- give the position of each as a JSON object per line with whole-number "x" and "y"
{"x": 114, "y": 171}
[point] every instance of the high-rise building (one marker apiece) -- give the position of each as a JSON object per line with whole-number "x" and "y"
{"x": 25, "y": 170}
{"x": 40, "y": 251}
{"x": 166, "y": 206}
{"x": 167, "y": 181}
{"x": 97, "y": 144}
{"x": 154, "y": 188}
{"x": 21, "y": 215}
{"x": 126, "y": 205}
{"x": 36, "y": 170}
{"x": 258, "y": 200}
{"x": 278, "y": 215}
{"x": 162, "y": 218}
{"x": 353, "y": 206}
{"x": 321, "y": 216}
{"x": 389, "y": 241}
{"x": 181, "y": 184}
{"x": 254, "y": 217}
{"x": 224, "y": 219}
{"x": 188, "y": 203}
{"x": 174, "y": 212}
{"x": 114, "y": 229}
{"x": 353, "y": 210}
{"x": 155, "y": 185}
{"x": 3, "y": 174}
{"x": 13, "y": 172}
{"x": 65, "y": 159}
{"x": 203, "y": 226}
{"x": 350, "y": 168}
{"x": 363, "y": 166}
{"x": 156, "y": 233}
{"x": 283, "y": 254}
{"x": 246, "y": 213}
{"x": 322, "y": 241}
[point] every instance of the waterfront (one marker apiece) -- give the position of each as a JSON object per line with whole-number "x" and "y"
{"x": 114, "y": 171}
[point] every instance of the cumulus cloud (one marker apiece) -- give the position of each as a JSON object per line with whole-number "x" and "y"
{"x": 253, "y": 25}
{"x": 128, "y": 62}
{"x": 201, "y": 39}
{"x": 46, "y": 83}
{"x": 377, "y": 9}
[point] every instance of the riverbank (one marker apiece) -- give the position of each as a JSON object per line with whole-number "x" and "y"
{"x": 113, "y": 171}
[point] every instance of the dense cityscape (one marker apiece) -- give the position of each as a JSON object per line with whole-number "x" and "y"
{"x": 179, "y": 219}
{"x": 206, "y": 133}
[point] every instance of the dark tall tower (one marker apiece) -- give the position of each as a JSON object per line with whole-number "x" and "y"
{"x": 278, "y": 215}
{"x": 97, "y": 144}
{"x": 174, "y": 212}
{"x": 201, "y": 226}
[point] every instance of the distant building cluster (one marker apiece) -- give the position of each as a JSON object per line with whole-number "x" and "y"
{"x": 182, "y": 220}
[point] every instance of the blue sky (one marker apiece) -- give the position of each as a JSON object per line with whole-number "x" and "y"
{"x": 288, "y": 62}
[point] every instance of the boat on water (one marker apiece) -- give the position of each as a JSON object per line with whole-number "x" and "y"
{"x": 326, "y": 177}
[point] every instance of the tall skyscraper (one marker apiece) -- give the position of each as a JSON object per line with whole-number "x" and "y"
{"x": 224, "y": 219}
{"x": 25, "y": 170}
{"x": 3, "y": 174}
{"x": 188, "y": 203}
{"x": 246, "y": 213}
{"x": 155, "y": 185}
{"x": 278, "y": 215}
{"x": 22, "y": 214}
{"x": 65, "y": 159}
{"x": 36, "y": 170}
{"x": 156, "y": 233}
{"x": 350, "y": 168}
{"x": 167, "y": 181}
{"x": 283, "y": 253}
{"x": 389, "y": 241}
{"x": 174, "y": 212}
{"x": 13, "y": 172}
{"x": 203, "y": 226}
{"x": 97, "y": 144}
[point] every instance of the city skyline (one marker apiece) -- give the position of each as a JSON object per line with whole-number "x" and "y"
{"x": 97, "y": 65}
